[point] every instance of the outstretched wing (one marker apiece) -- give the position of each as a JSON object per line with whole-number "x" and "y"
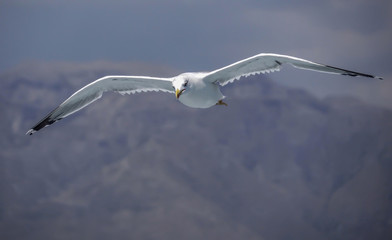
{"x": 94, "y": 91}
{"x": 269, "y": 62}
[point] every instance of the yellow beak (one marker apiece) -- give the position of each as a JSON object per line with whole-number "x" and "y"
{"x": 178, "y": 93}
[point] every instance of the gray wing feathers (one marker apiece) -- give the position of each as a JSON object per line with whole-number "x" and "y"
{"x": 254, "y": 65}
{"x": 308, "y": 65}
{"x": 93, "y": 91}
{"x": 268, "y": 62}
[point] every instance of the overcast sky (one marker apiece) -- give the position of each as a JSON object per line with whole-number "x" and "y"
{"x": 201, "y": 35}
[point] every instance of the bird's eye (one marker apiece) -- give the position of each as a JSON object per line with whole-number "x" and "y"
{"x": 185, "y": 83}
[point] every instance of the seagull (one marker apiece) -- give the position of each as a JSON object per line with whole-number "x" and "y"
{"x": 193, "y": 89}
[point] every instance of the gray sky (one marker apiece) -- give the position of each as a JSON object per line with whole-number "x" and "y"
{"x": 201, "y": 35}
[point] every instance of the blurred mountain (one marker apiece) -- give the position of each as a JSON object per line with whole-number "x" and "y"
{"x": 277, "y": 163}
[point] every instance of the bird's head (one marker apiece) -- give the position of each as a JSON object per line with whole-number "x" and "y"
{"x": 180, "y": 85}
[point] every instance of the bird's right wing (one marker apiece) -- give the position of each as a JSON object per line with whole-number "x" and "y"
{"x": 94, "y": 91}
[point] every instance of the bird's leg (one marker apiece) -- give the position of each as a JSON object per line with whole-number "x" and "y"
{"x": 220, "y": 102}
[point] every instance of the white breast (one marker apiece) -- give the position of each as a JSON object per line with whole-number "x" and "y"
{"x": 201, "y": 95}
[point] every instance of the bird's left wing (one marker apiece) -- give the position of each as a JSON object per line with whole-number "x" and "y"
{"x": 94, "y": 91}
{"x": 269, "y": 62}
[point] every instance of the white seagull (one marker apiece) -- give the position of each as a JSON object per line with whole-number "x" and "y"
{"x": 194, "y": 89}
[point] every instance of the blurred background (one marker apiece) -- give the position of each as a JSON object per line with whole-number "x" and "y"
{"x": 295, "y": 155}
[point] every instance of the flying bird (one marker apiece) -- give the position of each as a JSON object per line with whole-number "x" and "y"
{"x": 193, "y": 89}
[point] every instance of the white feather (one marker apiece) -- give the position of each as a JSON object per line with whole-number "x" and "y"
{"x": 269, "y": 62}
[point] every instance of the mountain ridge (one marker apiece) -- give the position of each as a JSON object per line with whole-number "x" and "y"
{"x": 276, "y": 163}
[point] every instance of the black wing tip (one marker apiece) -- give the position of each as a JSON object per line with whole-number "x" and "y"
{"x": 30, "y": 132}
{"x": 48, "y": 120}
{"x": 354, "y": 74}
{"x": 43, "y": 123}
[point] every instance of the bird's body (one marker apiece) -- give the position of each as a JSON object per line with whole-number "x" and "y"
{"x": 196, "y": 90}
{"x": 199, "y": 94}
